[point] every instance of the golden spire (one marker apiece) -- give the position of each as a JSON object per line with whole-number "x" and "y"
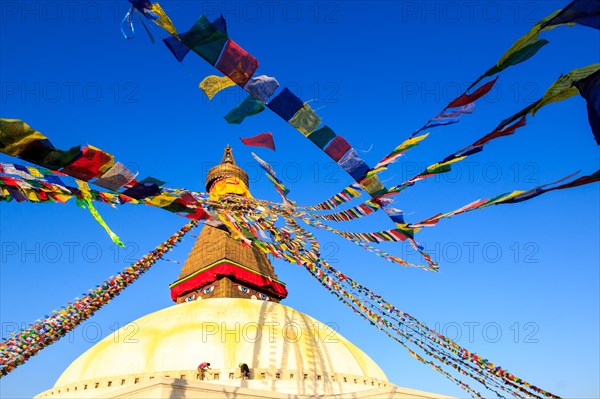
{"x": 227, "y": 168}
{"x": 228, "y": 156}
{"x": 219, "y": 266}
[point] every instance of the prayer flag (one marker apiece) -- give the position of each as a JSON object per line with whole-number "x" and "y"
{"x": 262, "y": 87}
{"x": 213, "y": 84}
{"x": 305, "y": 120}
{"x": 465, "y": 99}
{"x": 322, "y": 136}
{"x": 237, "y": 63}
{"x": 337, "y": 148}
{"x": 250, "y": 106}
{"x": 285, "y": 104}
{"x": 262, "y": 140}
{"x": 205, "y": 40}
{"x": 583, "y": 12}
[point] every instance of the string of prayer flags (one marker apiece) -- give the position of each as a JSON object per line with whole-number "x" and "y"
{"x": 346, "y": 195}
{"x": 498, "y": 132}
{"x": 279, "y": 186}
{"x": 512, "y": 197}
{"x": 399, "y": 151}
{"x": 450, "y": 118}
{"x": 19, "y": 347}
{"x": 262, "y": 87}
{"x": 410, "y": 332}
{"x": 529, "y": 194}
{"x": 213, "y": 84}
{"x": 248, "y": 107}
{"x": 261, "y": 140}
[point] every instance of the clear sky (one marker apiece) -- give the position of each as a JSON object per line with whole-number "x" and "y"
{"x": 519, "y": 284}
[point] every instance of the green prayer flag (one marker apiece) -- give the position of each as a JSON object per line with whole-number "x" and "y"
{"x": 250, "y": 106}
{"x": 205, "y": 40}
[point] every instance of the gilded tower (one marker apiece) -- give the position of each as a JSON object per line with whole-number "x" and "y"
{"x": 219, "y": 266}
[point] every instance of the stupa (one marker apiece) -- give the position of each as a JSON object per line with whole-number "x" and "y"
{"x": 227, "y": 313}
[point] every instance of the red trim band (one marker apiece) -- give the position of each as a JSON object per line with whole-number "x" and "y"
{"x": 226, "y": 269}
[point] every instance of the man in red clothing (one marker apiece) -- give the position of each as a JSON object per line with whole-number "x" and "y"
{"x": 202, "y": 369}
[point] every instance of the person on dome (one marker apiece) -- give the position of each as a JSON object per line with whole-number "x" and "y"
{"x": 244, "y": 371}
{"x": 202, "y": 367}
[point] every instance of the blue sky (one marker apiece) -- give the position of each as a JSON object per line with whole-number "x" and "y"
{"x": 518, "y": 284}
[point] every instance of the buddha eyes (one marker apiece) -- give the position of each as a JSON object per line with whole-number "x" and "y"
{"x": 263, "y": 297}
{"x": 190, "y": 298}
{"x": 208, "y": 290}
{"x": 244, "y": 289}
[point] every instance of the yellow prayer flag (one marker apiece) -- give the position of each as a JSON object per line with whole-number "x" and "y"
{"x": 84, "y": 187}
{"x": 62, "y": 197}
{"x": 163, "y": 20}
{"x": 412, "y": 141}
{"x": 31, "y": 195}
{"x": 563, "y": 88}
{"x": 16, "y": 136}
{"x": 34, "y": 172}
{"x": 305, "y": 120}
{"x": 507, "y": 197}
{"x": 213, "y": 84}
{"x": 161, "y": 200}
{"x": 440, "y": 164}
{"x": 530, "y": 37}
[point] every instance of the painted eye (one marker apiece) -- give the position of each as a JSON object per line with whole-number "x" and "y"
{"x": 264, "y": 297}
{"x": 243, "y": 289}
{"x": 208, "y": 290}
{"x": 190, "y": 298}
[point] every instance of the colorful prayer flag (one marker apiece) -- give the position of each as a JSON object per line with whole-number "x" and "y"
{"x": 237, "y": 63}
{"x": 213, "y": 84}
{"x": 261, "y": 140}
{"x": 262, "y": 87}
{"x": 250, "y": 106}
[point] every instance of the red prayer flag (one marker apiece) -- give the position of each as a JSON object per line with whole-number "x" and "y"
{"x": 237, "y": 63}
{"x": 465, "y": 98}
{"x": 262, "y": 140}
{"x": 337, "y": 148}
{"x": 91, "y": 164}
{"x": 507, "y": 131}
